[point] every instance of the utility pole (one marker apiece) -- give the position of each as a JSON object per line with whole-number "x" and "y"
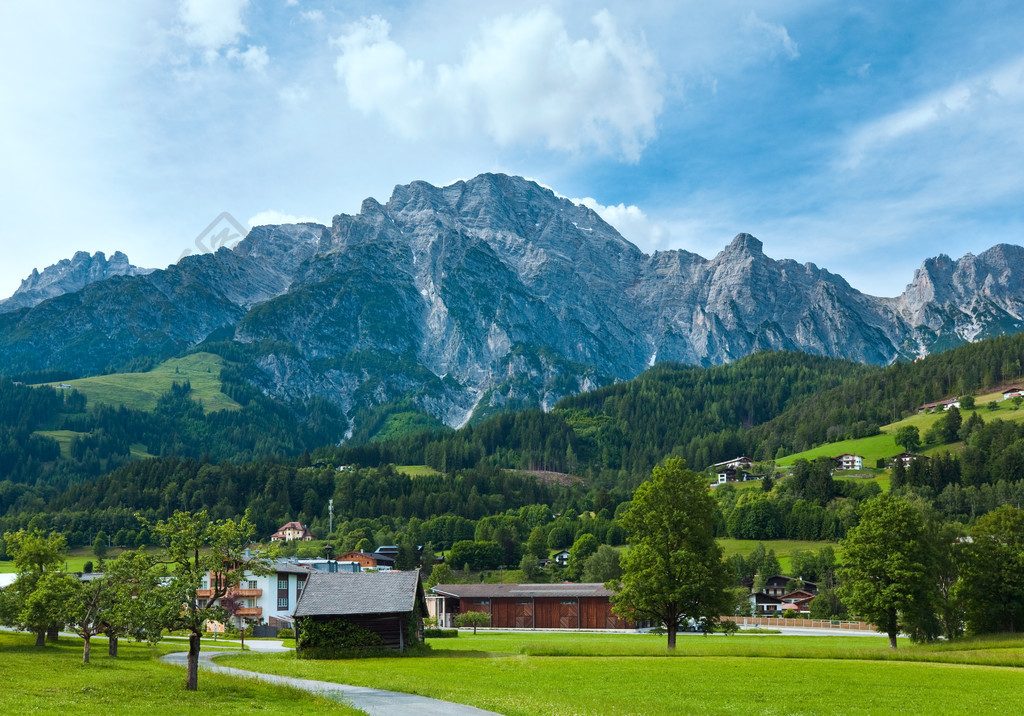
{"x": 330, "y": 519}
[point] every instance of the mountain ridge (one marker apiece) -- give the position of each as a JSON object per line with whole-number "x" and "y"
{"x": 495, "y": 293}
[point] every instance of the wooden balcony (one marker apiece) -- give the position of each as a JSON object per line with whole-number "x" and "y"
{"x": 249, "y": 612}
{"x": 246, "y": 593}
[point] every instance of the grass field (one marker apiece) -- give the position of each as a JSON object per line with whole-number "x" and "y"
{"x": 52, "y": 680}
{"x": 417, "y": 470}
{"x": 884, "y": 445}
{"x": 141, "y": 390}
{"x": 784, "y": 548}
{"x": 74, "y": 561}
{"x": 535, "y": 673}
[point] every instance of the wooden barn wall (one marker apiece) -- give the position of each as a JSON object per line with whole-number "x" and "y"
{"x": 547, "y": 612}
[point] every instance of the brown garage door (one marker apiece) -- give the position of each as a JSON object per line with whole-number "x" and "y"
{"x": 524, "y": 614}
{"x": 569, "y": 614}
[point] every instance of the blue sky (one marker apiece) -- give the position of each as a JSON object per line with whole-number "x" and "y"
{"x": 862, "y": 137}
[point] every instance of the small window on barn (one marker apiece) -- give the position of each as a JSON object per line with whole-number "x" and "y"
{"x": 523, "y": 601}
{"x": 568, "y": 601}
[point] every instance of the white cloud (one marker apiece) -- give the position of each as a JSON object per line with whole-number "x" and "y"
{"x": 255, "y": 59}
{"x": 312, "y": 15}
{"x": 293, "y": 95}
{"x": 955, "y": 103}
{"x": 632, "y": 223}
{"x": 524, "y": 81}
{"x": 212, "y": 24}
{"x": 272, "y": 217}
{"x": 775, "y": 34}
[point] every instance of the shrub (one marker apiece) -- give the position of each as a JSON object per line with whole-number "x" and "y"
{"x": 440, "y": 633}
{"x": 334, "y": 638}
{"x": 285, "y": 633}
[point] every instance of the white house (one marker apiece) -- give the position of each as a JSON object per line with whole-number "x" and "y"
{"x": 737, "y": 463}
{"x": 1012, "y": 393}
{"x": 849, "y": 461}
{"x": 266, "y": 598}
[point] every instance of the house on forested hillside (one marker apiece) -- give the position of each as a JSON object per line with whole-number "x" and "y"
{"x": 292, "y": 531}
{"x": 737, "y": 463}
{"x": 778, "y": 584}
{"x": 530, "y": 606}
{"x": 906, "y": 458}
{"x": 1012, "y": 393}
{"x": 849, "y": 461}
{"x": 944, "y": 404}
{"x": 341, "y": 611}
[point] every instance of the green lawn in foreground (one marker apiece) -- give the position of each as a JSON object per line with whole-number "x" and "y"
{"x": 536, "y": 673}
{"x": 141, "y": 390}
{"x": 52, "y": 680}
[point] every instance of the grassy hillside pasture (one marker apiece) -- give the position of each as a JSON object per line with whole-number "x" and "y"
{"x": 538, "y": 673}
{"x": 884, "y": 445}
{"x": 784, "y": 548}
{"x": 417, "y": 470}
{"x": 52, "y": 680}
{"x": 140, "y": 391}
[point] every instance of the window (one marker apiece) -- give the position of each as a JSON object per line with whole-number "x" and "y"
{"x": 299, "y": 584}
{"x": 252, "y": 584}
{"x": 282, "y": 602}
{"x": 282, "y": 582}
{"x": 250, "y": 602}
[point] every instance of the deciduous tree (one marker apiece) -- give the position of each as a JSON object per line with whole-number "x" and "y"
{"x": 674, "y": 569}
{"x": 196, "y": 547}
{"x": 35, "y": 555}
{"x": 886, "y": 577}
{"x": 992, "y": 572}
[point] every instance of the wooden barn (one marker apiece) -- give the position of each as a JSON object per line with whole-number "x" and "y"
{"x": 530, "y": 606}
{"x": 390, "y": 604}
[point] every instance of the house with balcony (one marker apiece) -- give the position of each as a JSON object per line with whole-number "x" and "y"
{"x": 264, "y": 598}
{"x": 849, "y": 461}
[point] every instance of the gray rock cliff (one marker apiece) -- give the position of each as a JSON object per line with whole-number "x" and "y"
{"x": 494, "y": 293}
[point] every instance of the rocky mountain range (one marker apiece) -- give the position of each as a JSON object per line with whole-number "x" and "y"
{"x": 68, "y": 276}
{"x": 466, "y": 299}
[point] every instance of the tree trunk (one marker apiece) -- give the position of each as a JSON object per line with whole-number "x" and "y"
{"x": 112, "y": 645}
{"x": 41, "y": 638}
{"x": 671, "y": 626}
{"x": 892, "y": 640}
{"x": 192, "y": 680}
{"x": 86, "y": 648}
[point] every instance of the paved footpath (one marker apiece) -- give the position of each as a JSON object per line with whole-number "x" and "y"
{"x": 375, "y": 702}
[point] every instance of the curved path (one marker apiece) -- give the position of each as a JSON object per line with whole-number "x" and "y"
{"x": 375, "y": 702}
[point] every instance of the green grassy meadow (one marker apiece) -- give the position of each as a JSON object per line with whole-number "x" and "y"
{"x": 784, "y": 548}
{"x": 570, "y": 673}
{"x": 53, "y": 680}
{"x": 417, "y": 470}
{"x": 140, "y": 391}
{"x": 884, "y": 445}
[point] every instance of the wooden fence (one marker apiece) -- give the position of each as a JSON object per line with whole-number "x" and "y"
{"x": 804, "y": 623}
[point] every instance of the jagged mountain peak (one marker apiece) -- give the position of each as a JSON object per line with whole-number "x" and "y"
{"x": 494, "y": 292}
{"x": 68, "y": 276}
{"x": 745, "y": 244}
